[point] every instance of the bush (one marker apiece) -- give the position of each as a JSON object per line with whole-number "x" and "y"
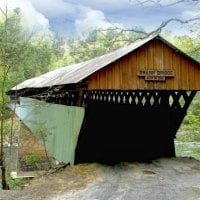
{"x": 32, "y": 159}
{"x": 17, "y": 184}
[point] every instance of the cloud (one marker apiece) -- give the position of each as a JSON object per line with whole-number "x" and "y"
{"x": 94, "y": 19}
{"x": 69, "y": 16}
{"x": 190, "y": 14}
{"x": 104, "y": 5}
{"x": 42, "y": 15}
{"x": 54, "y": 8}
{"x": 83, "y": 16}
{"x": 32, "y": 20}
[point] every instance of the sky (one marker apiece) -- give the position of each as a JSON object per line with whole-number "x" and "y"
{"x": 71, "y": 17}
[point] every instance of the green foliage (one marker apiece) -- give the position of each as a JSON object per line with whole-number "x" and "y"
{"x": 42, "y": 132}
{"x": 38, "y": 57}
{"x": 190, "y": 128}
{"x": 12, "y": 46}
{"x": 196, "y": 152}
{"x": 192, "y": 121}
{"x": 189, "y": 45}
{"x": 11, "y": 40}
{"x": 23, "y": 57}
{"x": 96, "y": 43}
{"x": 17, "y": 184}
{"x": 32, "y": 159}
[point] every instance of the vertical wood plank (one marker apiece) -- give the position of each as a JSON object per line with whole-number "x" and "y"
{"x": 158, "y": 61}
{"x": 176, "y": 65}
{"x": 187, "y": 73}
{"x": 113, "y": 76}
{"x": 120, "y": 76}
{"x": 183, "y": 73}
{"x": 191, "y": 77}
{"x": 197, "y": 77}
{"x": 134, "y": 73}
{"x": 145, "y": 64}
{"x": 150, "y": 62}
{"x": 116, "y": 76}
{"x": 129, "y": 72}
{"x": 93, "y": 81}
{"x": 167, "y": 65}
{"x": 124, "y": 73}
{"x": 109, "y": 76}
{"x": 102, "y": 80}
{"x": 141, "y": 66}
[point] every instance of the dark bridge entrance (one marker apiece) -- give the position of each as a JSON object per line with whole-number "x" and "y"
{"x": 131, "y": 125}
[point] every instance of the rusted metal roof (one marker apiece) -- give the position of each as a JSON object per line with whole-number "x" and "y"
{"x": 77, "y": 72}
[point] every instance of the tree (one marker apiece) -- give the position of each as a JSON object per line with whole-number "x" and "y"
{"x": 21, "y": 57}
{"x": 189, "y": 45}
{"x": 98, "y": 42}
{"x": 12, "y": 45}
{"x": 38, "y": 56}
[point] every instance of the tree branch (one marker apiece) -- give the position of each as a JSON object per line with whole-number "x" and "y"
{"x": 159, "y": 2}
{"x": 156, "y": 31}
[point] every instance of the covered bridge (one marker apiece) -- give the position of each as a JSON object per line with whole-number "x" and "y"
{"x": 123, "y": 106}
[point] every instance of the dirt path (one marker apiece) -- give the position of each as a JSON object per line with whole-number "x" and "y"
{"x": 163, "y": 179}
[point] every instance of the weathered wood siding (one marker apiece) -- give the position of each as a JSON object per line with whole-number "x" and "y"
{"x": 155, "y": 55}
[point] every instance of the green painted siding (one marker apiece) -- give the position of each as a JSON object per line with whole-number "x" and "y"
{"x": 61, "y": 125}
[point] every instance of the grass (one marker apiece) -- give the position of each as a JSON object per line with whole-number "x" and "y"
{"x": 32, "y": 159}
{"x": 17, "y": 184}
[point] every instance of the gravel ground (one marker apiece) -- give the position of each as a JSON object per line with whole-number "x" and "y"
{"x": 162, "y": 179}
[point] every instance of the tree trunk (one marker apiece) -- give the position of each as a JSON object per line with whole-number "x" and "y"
{"x": 3, "y": 169}
{"x": 5, "y": 186}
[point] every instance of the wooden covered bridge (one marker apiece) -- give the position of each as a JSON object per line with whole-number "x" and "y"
{"x": 133, "y": 100}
